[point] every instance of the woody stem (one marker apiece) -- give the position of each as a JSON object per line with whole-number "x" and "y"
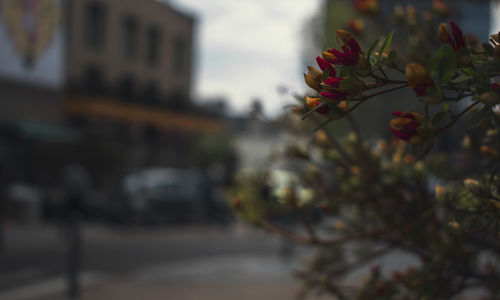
{"x": 456, "y": 117}
{"x": 376, "y": 94}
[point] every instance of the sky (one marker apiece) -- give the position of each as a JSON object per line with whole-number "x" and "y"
{"x": 246, "y": 49}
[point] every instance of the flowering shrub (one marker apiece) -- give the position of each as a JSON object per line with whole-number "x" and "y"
{"x": 356, "y": 202}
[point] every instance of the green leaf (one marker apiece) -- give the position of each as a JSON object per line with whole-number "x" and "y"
{"x": 347, "y": 84}
{"x": 325, "y": 75}
{"x": 462, "y": 78}
{"x": 469, "y": 71}
{"x": 440, "y": 116}
{"x": 390, "y": 61}
{"x": 385, "y": 45}
{"x": 370, "y": 50}
{"x": 445, "y": 61}
{"x": 446, "y": 107}
{"x": 447, "y": 77}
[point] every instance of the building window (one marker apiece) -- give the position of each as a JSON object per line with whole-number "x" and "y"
{"x": 151, "y": 92}
{"x": 129, "y": 38}
{"x": 179, "y": 54}
{"x": 93, "y": 80}
{"x": 95, "y": 25}
{"x": 153, "y": 45}
{"x": 126, "y": 87}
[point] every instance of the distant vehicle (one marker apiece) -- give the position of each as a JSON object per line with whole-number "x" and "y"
{"x": 165, "y": 195}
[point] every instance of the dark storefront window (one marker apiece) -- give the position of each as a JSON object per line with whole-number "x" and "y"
{"x": 95, "y": 25}
{"x": 129, "y": 38}
{"x": 153, "y": 45}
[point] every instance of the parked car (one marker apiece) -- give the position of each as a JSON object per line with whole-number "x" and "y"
{"x": 165, "y": 195}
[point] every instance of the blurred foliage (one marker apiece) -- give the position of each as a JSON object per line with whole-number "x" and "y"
{"x": 356, "y": 200}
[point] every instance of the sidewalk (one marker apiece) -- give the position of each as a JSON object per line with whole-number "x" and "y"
{"x": 240, "y": 277}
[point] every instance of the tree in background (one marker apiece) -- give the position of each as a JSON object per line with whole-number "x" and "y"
{"x": 359, "y": 203}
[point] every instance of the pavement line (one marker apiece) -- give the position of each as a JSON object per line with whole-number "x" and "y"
{"x": 52, "y": 286}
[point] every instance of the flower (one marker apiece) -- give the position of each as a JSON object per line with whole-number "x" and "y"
{"x": 366, "y": 6}
{"x": 441, "y": 193}
{"x": 312, "y": 102}
{"x": 408, "y": 127}
{"x": 356, "y": 25}
{"x": 440, "y": 8}
{"x": 313, "y": 77}
{"x": 488, "y": 151}
{"x": 473, "y": 186}
{"x": 455, "y": 38}
{"x": 325, "y": 65}
{"x": 418, "y": 78}
{"x": 492, "y": 96}
{"x": 350, "y": 54}
{"x": 332, "y": 90}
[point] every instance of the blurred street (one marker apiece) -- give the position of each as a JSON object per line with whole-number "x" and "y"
{"x": 148, "y": 263}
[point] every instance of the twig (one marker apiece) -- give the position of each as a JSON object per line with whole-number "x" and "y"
{"x": 376, "y": 94}
{"x": 455, "y": 119}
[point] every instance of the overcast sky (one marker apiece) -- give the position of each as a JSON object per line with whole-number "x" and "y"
{"x": 248, "y": 48}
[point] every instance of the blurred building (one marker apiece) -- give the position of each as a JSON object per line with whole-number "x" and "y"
{"x": 101, "y": 83}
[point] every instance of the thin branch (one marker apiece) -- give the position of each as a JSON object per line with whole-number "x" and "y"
{"x": 387, "y": 80}
{"x": 377, "y": 94}
{"x": 455, "y": 119}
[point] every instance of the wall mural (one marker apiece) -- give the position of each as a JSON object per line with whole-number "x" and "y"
{"x": 31, "y": 25}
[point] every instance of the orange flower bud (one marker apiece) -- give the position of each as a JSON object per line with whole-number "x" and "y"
{"x": 357, "y": 26}
{"x": 366, "y": 6}
{"x": 409, "y": 159}
{"x": 441, "y": 193}
{"x": 408, "y": 127}
{"x": 236, "y": 203}
{"x": 443, "y": 33}
{"x": 312, "y": 102}
{"x": 440, "y": 7}
{"x": 343, "y": 105}
{"x": 488, "y": 151}
{"x": 418, "y": 78}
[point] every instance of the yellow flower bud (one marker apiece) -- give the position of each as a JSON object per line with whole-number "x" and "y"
{"x": 420, "y": 81}
{"x": 321, "y": 137}
{"x": 490, "y": 97}
{"x": 313, "y": 77}
{"x": 441, "y": 193}
{"x": 454, "y": 225}
{"x": 466, "y": 142}
{"x": 344, "y": 36}
{"x": 488, "y": 151}
{"x": 443, "y": 33}
{"x": 473, "y": 186}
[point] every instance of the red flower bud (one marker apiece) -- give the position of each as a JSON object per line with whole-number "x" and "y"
{"x": 350, "y": 54}
{"x": 408, "y": 127}
{"x": 325, "y": 65}
{"x": 334, "y": 95}
{"x": 455, "y": 38}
